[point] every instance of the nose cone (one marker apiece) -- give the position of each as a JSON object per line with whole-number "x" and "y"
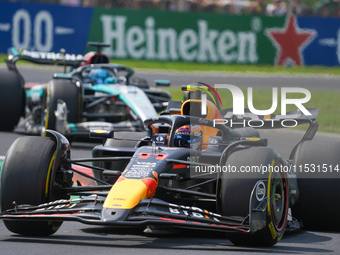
{"x": 126, "y": 193}
{"x": 114, "y": 214}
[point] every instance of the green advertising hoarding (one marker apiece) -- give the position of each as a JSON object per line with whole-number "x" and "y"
{"x": 190, "y": 37}
{"x": 173, "y": 36}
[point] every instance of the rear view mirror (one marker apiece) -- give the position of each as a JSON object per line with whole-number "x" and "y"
{"x": 162, "y": 83}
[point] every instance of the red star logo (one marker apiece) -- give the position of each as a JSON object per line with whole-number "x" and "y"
{"x": 290, "y": 41}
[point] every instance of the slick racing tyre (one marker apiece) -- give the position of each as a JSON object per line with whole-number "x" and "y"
{"x": 12, "y": 99}
{"x": 65, "y": 90}
{"x": 27, "y": 180}
{"x": 317, "y": 166}
{"x": 117, "y": 165}
{"x": 236, "y": 189}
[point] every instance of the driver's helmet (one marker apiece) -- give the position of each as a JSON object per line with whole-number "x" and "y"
{"x": 99, "y": 75}
{"x": 189, "y": 136}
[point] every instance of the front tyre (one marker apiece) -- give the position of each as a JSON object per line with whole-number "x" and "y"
{"x": 65, "y": 90}
{"x": 236, "y": 189}
{"x": 27, "y": 178}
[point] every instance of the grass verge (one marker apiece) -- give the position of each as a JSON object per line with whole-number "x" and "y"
{"x": 188, "y": 67}
{"x": 185, "y": 67}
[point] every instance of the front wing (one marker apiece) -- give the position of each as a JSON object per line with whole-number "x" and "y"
{"x": 154, "y": 211}
{"x": 82, "y": 129}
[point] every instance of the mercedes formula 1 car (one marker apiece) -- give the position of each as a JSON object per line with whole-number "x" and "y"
{"x": 94, "y": 94}
{"x": 186, "y": 171}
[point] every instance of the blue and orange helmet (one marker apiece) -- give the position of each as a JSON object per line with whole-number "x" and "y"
{"x": 189, "y": 136}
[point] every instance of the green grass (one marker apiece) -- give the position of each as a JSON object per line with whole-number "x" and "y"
{"x": 188, "y": 67}
{"x": 326, "y": 101}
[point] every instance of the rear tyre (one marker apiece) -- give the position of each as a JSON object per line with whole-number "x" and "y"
{"x": 318, "y": 206}
{"x": 27, "y": 178}
{"x": 12, "y": 99}
{"x": 65, "y": 90}
{"x": 236, "y": 191}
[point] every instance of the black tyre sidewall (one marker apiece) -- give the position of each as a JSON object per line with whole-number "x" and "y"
{"x": 12, "y": 99}
{"x": 236, "y": 191}
{"x": 318, "y": 206}
{"x": 67, "y": 91}
{"x": 26, "y": 179}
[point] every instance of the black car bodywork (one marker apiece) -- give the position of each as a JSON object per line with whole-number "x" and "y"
{"x": 143, "y": 179}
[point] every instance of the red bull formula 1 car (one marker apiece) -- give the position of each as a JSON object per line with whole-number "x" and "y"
{"x": 161, "y": 178}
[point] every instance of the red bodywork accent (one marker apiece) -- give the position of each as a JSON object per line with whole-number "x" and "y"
{"x": 151, "y": 184}
{"x": 194, "y": 222}
{"x": 144, "y": 155}
{"x": 161, "y": 156}
{"x": 179, "y": 166}
{"x": 83, "y": 180}
{"x": 96, "y": 58}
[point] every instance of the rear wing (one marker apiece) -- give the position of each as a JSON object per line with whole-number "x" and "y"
{"x": 43, "y": 58}
{"x": 276, "y": 121}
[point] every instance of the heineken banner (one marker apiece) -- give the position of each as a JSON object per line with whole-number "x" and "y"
{"x": 172, "y": 36}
